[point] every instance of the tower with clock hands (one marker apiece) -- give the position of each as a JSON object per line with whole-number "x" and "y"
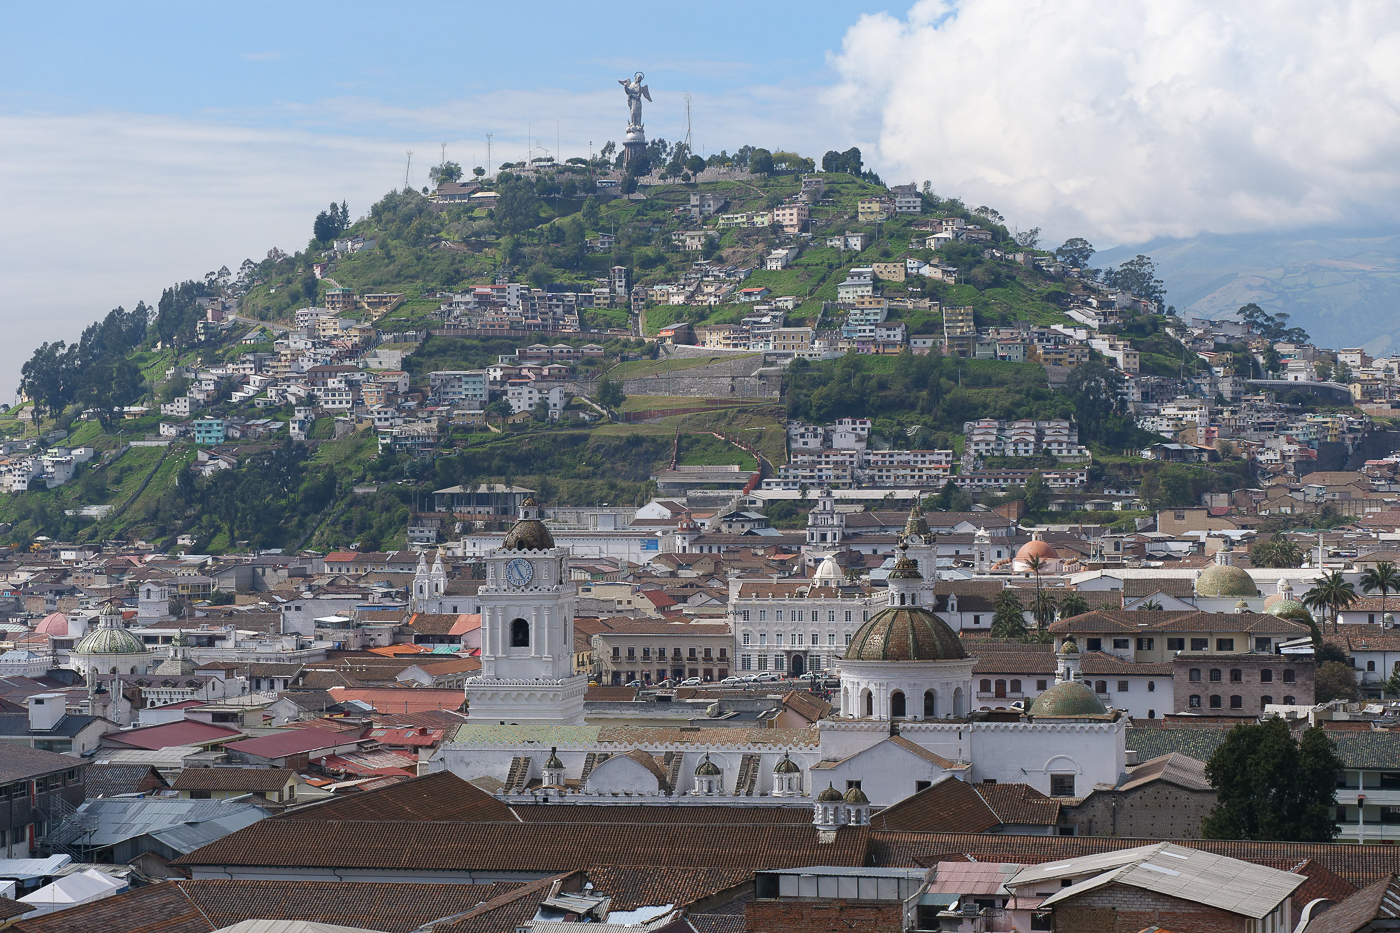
{"x": 527, "y": 632}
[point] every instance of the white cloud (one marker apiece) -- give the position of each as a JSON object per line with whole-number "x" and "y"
{"x": 1138, "y": 118}
{"x": 268, "y": 56}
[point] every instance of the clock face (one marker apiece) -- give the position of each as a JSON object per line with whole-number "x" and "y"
{"x": 519, "y": 572}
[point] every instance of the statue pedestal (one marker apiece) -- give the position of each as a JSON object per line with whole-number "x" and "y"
{"x": 634, "y": 145}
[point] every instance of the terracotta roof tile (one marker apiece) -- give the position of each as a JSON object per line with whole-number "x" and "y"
{"x": 440, "y": 796}
{"x": 654, "y": 813}
{"x": 240, "y": 779}
{"x": 945, "y": 806}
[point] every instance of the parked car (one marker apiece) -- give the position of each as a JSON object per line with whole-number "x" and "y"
{"x": 732, "y": 680}
{"x": 691, "y": 682}
{"x": 751, "y": 678}
{"x": 769, "y": 678}
{"x": 633, "y": 683}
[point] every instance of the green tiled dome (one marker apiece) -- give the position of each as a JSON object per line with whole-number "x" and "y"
{"x": 1066, "y": 701}
{"x": 905, "y": 633}
{"x": 829, "y": 795}
{"x": 856, "y": 795}
{"x": 787, "y": 766}
{"x": 708, "y": 768}
{"x": 1224, "y": 580}
{"x": 107, "y": 640}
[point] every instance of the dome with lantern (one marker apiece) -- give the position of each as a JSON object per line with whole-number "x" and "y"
{"x": 110, "y": 637}
{"x": 828, "y": 573}
{"x": 529, "y": 533}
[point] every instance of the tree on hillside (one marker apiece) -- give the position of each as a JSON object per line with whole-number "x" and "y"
{"x": 609, "y": 394}
{"x": 1096, "y": 389}
{"x": 990, "y": 213}
{"x": 331, "y": 222}
{"x": 1037, "y": 493}
{"x": 517, "y": 206}
{"x": 1028, "y": 239}
{"x": 1270, "y": 787}
{"x": 1138, "y": 277}
{"x": 1271, "y": 326}
{"x": 1075, "y": 252}
{"x": 446, "y": 174}
{"x": 761, "y": 162}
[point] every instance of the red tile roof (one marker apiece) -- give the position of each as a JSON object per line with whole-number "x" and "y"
{"x": 401, "y": 699}
{"x": 171, "y": 734}
{"x": 291, "y": 742}
{"x": 440, "y": 796}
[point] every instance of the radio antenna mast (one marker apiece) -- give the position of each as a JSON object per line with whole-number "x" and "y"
{"x": 406, "y": 167}
{"x": 688, "y": 150}
{"x": 488, "y": 155}
{"x": 444, "y": 153}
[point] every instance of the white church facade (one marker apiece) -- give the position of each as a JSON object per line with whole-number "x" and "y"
{"x": 904, "y": 722}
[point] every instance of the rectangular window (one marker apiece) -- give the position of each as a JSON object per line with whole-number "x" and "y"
{"x": 691, "y": 654}
{"x": 922, "y": 785}
{"x": 1194, "y": 675}
{"x": 646, "y": 653}
{"x": 724, "y": 654}
{"x": 848, "y": 639}
{"x": 1224, "y": 644}
{"x": 1288, "y": 676}
{"x": 778, "y": 638}
{"x": 1266, "y": 676}
{"x": 1264, "y": 645}
{"x": 976, "y": 620}
{"x": 1041, "y": 684}
{"x": 1062, "y": 785}
{"x": 1200, "y": 644}
{"x": 1122, "y": 686}
{"x": 831, "y": 615}
{"x": 631, "y": 653}
{"x": 1120, "y": 643}
{"x": 1093, "y": 644}
{"x": 745, "y": 662}
{"x": 746, "y": 615}
{"x": 763, "y": 638}
{"x": 746, "y": 638}
{"x": 763, "y": 662}
{"x": 850, "y": 785}
{"x": 778, "y": 615}
{"x": 848, "y": 615}
{"x": 814, "y": 615}
{"x": 763, "y": 615}
{"x": 1176, "y": 644}
{"x": 617, "y": 652}
{"x": 797, "y": 638}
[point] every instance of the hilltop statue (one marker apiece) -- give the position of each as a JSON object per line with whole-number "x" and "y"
{"x": 636, "y": 90}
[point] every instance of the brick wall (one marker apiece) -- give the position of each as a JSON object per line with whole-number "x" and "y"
{"x": 1157, "y": 810}
{"x": 814, "y": 915}
{"x": 1121, "y": 909}
{"x": 1251, "y": 687}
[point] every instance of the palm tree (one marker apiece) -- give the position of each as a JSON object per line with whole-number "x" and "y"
{"x": 1044, "y": 608}
{"x": 1331, "y": 593}
{"x": 1073, "y": 605}
{"x": 1035, "y": 564}
{"x": 1384, "y": 577}
{"x": 1150, "y": 606}
{"x": 1009, "y": 621}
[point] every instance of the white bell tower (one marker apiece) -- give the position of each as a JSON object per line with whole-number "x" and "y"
{"x": 527, "y": 632}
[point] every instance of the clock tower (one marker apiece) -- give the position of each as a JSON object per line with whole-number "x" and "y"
{"x": 527, "y": 632}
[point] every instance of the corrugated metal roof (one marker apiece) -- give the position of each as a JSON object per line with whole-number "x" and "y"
{"x": 1174, "y": 871}
{"x": 109, "y": 821}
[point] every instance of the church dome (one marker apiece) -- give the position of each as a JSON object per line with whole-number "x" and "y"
{"x": 110, "y": 639}
{"x": 830, "y": 795}
{"x": 708, "y": 768}
{"x": 828, "y": 573}
{"x": 529, "y": 534}
{"x": 905, "y": 633}
{"x": 856, "y": 795}
{"x": 1067, "y": 700}
{"x": 1225, "y": 580}
{"x": 1036, "y": 548}
{"x": 554, "y": 764}
{"x": 1291, "y": 609}
{"x": 916, "y": 524}
{"x": 55, "y": 623}
{"x": 787, "y": 766}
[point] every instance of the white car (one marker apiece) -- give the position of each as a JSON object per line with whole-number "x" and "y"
{"x": 691, "y": 682}
{"x": 769, "y": 678}
{"x": 732, "y": 680}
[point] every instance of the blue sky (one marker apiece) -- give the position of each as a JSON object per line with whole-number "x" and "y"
{"x": 145, "y": 143}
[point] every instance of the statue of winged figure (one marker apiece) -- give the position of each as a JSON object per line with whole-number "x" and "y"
{"x": 636, "y": 90}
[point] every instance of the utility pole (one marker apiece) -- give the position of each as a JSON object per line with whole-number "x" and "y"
{"x": 488, "y": 155}
{"x": 406, "y": 168}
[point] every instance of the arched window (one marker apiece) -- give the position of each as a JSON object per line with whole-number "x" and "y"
{"x": 519, "y": 634}
{"x": 1194, "y": 701}
{"x": 869, "y": 703}
{"x": 1195, "y": 675}
{"x": 1266, "y": 676}
{"x": 985, "y": 686}
{"x": 959, "y": 709}
{"x": 1370, "y": 665}
{"x": 1288, "y": 701}
{"x": 897, "y": 710}
{"x": 1001, "y": 688}
{"x": 1236, "y": 675}
{"x": 1265, "y": 700}
{"x": 1100, "y": 686}
{"x": 901, "y": 599}
{"x": 930, "y": 704}
{"x": 1215, "y": 702}
{"x": 1015, "y": 686}
{"x": 1237, "y": 702}
{"x": 1215, "y": 675}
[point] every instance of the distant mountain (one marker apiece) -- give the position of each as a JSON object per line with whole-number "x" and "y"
{"x": 1343, "y": 288}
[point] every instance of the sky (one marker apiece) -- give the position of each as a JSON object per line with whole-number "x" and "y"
{"x": 145, "y": 143}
